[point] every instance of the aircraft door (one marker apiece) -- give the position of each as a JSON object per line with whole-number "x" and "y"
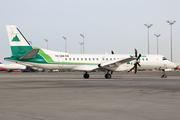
{"x": 60, "y": 61}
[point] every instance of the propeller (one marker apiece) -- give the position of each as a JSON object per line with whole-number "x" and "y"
{"x": 136, "y": 63}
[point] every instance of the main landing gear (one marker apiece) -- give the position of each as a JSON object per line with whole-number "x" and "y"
{"x": 164, "y": 74}
{"x": 86, "y": 75}
{"x": 108, "y": 74}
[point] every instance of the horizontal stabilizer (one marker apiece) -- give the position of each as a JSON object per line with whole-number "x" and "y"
{"x": 30, "y": 55}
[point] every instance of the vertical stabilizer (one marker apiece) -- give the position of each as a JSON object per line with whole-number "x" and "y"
{"x": 18, "y": 43}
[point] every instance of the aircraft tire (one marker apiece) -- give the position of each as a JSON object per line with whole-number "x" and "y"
{"x": 164, "y": 76}
{"x": 86, "y": 76}
{"x": 108, "y": 76}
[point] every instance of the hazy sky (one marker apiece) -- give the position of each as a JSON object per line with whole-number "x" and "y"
{"x": 107, "y": 25}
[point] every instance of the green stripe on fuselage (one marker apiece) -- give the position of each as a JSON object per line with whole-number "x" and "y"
{"x": 42, "y": 57}
{"x": 37, "y": 59}
{"x": 46, "y": 56}
{"x": 20, "y": 51}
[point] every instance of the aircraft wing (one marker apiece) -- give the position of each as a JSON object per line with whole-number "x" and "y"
{"x": 116, "y": 63}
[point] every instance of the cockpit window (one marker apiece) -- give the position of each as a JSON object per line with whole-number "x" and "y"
{"x": 164, "y": 58}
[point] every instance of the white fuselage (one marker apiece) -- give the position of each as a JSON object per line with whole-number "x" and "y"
{"x": 74, "y": 61}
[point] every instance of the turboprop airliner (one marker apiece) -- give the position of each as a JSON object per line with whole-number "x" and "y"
{"x": 25, "y": 54}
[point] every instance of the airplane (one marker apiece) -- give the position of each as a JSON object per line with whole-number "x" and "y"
{"x": 25, "y": 54}
{"x": 12, "y": 67}
{"x": 1, "y": 69}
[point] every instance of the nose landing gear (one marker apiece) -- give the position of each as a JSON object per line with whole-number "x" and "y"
{"x": 164, "y": 74}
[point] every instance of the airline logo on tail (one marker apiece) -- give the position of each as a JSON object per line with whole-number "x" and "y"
{"x": 15, "y": 39}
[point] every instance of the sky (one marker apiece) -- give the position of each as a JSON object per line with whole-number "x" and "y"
{"x": 107, "y": 25}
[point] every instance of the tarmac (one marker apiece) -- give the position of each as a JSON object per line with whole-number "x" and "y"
{"x": 68, "y": 96}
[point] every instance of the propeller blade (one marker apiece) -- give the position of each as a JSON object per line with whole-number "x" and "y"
{"x": 138, "y": 64}
{"x": 135, "y": 68}
{"x": 112, "y": 52}
{"x": 138, "y": 57}
{"x": 135, "y": 52}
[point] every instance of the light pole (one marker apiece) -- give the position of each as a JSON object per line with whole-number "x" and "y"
{"x": 47, "y": 42}
{"x": 157, "y": 35}
{"x": 65, "y": 44}
{"x": 148, "y": 26}
{"x": 30, "y": 43}
{"x": 81, "y": 46}
{"x": 171, "y": 23}
{"x": 83, "y": 42}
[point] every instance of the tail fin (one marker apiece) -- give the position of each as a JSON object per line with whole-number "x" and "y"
{"x": 19, "y": 45}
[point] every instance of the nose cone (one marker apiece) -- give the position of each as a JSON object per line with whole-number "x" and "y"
{"x": 173, "y": 65}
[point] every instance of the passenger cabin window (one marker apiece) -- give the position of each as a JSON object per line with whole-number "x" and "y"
{"x": 103, "y": 59}
{"x": 89, "y": 59}
{"x": 146, "y": 59}
{"x": 106, "y": 58}
{"x": 82, "y": 59}
{"x": 85, "y": 58}
{"x": 164, "y": 58}
{"x": 66, "y": 59}
{"x": 110, "y": 58}
{"x": 97, "y": 59}
{"x": 69, "y": 59}
{"x": 93, "y": 59}
{"x": 143, "y": 59}
{"x": 78, "y": 59}
{"x": 74, "y": 59}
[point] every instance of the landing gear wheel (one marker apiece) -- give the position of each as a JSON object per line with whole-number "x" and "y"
{"x": 164, "y": 76}
{"x": 86, "y": 76}
{"x": 108, "y": 76}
